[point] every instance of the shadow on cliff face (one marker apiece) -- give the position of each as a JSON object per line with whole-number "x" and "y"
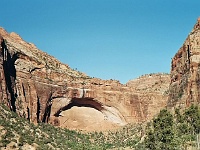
{"x": 88, "y": 114}
{"x": 47, "y": 111}
{"x": 10, "y": 74}
{"x": 81, "y": 102}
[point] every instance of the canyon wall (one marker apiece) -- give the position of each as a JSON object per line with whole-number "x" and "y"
{"x": 185, "y": 72}
{"x": 42, "y": 89}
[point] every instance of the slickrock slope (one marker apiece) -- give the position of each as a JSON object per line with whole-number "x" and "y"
{"x": 40, "y": 88}
{"x": 185, "y": 72}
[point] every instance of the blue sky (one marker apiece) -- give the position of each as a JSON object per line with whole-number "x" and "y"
{"x": 108, "y": 39}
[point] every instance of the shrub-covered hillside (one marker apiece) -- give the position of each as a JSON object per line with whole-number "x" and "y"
{"x": 18, "y": 133}
{"x": 166, "y": 131}
{"x": 172, "y": 132}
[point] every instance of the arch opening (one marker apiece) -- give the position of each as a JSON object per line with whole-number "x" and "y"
{"x": 89, "y": 114}
{"x": 81, "y": 102}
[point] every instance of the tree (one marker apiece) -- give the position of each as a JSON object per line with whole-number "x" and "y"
{"x": 161, "y": 134}
{"x": 192, "y": 116}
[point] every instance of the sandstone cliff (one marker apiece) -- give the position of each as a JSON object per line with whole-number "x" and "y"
{"x": 185, "y": 72}
{"x": 40, "y": 88}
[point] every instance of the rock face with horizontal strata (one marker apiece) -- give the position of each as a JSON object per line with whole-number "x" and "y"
{"x": 185, "y": 72}
{"x": 40, "y": 88}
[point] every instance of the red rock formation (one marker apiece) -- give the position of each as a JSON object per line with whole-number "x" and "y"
{"x": 185, "y": 72}
{"x": 40, "y": 88}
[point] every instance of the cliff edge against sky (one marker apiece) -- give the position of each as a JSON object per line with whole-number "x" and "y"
{"x": 40, "y": 88}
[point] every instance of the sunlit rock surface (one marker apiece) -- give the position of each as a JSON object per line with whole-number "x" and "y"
{"x": 185, "y": 72}
{"x": 42, "y": 89}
